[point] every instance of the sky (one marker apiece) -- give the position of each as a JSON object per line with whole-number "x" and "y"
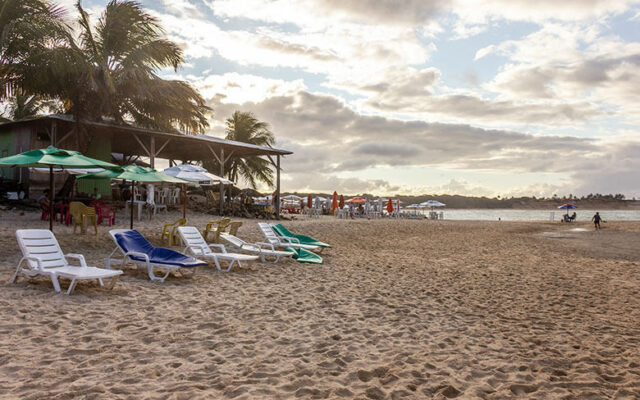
{"x": 466, "y": 97}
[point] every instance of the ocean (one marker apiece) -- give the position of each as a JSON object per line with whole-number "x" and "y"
{"x": 536, "y": 215}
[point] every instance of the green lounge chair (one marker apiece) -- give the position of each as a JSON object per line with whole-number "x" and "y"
{"x": 305, "y": 256}
{"x": 283, "y": 232}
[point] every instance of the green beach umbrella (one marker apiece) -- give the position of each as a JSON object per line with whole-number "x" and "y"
{"x": 53, "y": 157}
{"x": 134, "y": 173}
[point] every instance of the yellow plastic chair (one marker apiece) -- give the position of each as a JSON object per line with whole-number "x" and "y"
{"x": 233, "y": 227}
{"x": 80, "y": 214}
{"x": 170, "y": 232}
{"x": 215, "y": 228}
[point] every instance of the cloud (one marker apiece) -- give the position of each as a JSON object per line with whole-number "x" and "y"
{"x": 328, "y": 138}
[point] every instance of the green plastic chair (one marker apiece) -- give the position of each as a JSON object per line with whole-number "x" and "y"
{"x": 282, "y": 231}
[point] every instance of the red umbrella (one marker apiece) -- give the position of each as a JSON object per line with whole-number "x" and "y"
{"x": 309, "y": 201}
{"x": 357, "y": 200}
{"x": 390, "y": 206}
{"x": 341, "y": 201}
{"x": 334, "y": 202}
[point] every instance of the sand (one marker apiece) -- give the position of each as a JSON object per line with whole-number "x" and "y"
{"x": 400, "y": 309}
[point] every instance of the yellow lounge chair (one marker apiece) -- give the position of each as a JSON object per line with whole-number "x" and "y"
{"x": 233, "y": 227}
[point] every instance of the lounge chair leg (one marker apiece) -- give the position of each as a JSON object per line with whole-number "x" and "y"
{"x": 72, "y": 286}
{"x": 14, "y": 278}
{"x": 113, "y": 282}
{"x": 56, "y": 284}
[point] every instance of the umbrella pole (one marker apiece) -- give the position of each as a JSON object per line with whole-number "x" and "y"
{"x": 133, "y": 189}
{"x": 51, "y": 198}
{"x": 184, "y": 202}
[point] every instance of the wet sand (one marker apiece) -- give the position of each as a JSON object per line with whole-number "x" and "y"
{"x": 400, "y": 309}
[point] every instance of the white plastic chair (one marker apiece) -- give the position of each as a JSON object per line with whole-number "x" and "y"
{"x": 42, "y": 256}
{"x": 282, "y": 241}
{"x": 263, "y": 249}
{"x": 198, "y": 247}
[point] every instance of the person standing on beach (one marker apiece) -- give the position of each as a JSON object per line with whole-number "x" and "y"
{"x": 596, "y": 220}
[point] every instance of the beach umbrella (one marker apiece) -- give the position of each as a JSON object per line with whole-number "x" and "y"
{"x": 357, "y": 200}
{"x": 432, "y": 203}
{"x": 334, "y": 202}
{"x": 568, "y": 206}
{"x": 341, "y": 204}
{"x": 133, "y": 173}
{"x": 390, "y": 206}
{"x": 292, "y": 197}
{"x": 53, "y": 157}
{"x": 309, "y": 201}
{"x": 193, "y": 174}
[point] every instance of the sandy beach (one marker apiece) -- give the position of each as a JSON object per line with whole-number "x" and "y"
{"x": 400, "y": 309}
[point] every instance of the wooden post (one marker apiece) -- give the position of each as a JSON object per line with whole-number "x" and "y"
{"x": 222, "y": 160}
{"x": 54, "y": 129}
{"x": 278, "y": 186}
{"x": 152, "y": 152}
{"x": 51, "y": 198}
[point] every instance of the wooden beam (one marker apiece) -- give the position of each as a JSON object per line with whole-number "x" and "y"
{"x": 272, "y": 162}
{"x": 162, "y": 147}
{"x": 66, "y": 135}
{"x": 214, "y": 154}
{"x": 142, "y": 144}
{"x": 228, "y": 157}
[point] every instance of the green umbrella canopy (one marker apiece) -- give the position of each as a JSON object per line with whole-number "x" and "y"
{"x": 133, "y": 173}
{"x": 54, "y": 157}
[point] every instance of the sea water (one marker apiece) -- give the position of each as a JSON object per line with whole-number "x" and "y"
{"x": 536, "y": 215}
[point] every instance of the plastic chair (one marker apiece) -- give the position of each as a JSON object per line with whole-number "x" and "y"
{"x": 170, "y": 231}
{"x": 233, "y": 227}
{"x": 104, "y": 212}
{"x": 216, "y": 227}
{"x": 80, "y": 213}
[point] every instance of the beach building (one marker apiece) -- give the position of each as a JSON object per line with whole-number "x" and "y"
{"x": 108, "y": 141}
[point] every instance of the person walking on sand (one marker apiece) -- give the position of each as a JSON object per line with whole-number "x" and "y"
{"x": 596, "y": 220}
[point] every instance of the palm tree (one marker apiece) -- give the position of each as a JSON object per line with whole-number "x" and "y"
{"x": 245, "y": 127}
{"x": 110, "y": 72}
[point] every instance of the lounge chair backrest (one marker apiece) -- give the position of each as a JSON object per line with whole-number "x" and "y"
{"x": 41, "y": 243}
{"x": 268, "y": 233}
{"x": 132, "y": 240}
{"x": 192, "y": 238}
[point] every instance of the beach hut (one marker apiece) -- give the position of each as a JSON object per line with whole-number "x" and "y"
{"x": 134, "y": 173}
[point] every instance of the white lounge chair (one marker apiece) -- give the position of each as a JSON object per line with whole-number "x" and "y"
{"x": 282, "y": 241}
{"x": 196, "y": 245}
{"x": 266, "y": 251}
{"x": 42, "y": 256}
{"x": 136, "y": 248}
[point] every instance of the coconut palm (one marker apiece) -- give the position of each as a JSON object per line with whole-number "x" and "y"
{"x": 110, "y": 71}
{"x": 245, "y": 127}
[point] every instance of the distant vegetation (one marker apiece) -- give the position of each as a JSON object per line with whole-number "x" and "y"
{"x": 468, "y": 202}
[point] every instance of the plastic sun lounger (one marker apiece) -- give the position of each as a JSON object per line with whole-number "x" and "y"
{"x": 282, "y": 231}
{"x": 136, "y": 248}
{"x": 197, "y": 246}
{"x": 282, "y": 241}
{"x": 266, "y": 251}
{"x": 42, "y": 256}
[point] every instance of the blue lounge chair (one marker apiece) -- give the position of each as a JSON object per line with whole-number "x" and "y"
{"x": 136, "y": 248}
